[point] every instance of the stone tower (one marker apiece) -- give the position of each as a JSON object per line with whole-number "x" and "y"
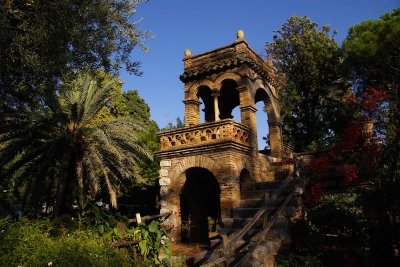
{"x": 204, "y": 166}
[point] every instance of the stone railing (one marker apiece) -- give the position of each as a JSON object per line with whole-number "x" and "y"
{"x": 206, "y": 133}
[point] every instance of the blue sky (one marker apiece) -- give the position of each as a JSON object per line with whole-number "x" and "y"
{"x": 208, "y": 24}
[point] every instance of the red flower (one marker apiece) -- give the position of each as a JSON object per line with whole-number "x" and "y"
{"x": 350, "y": 173}
{"x": 320, "y": 164}
{"x": 314, "y": 194}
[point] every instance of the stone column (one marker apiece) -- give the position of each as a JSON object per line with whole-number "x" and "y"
{"x": 248, "y": 113}
{"x": 215, "y": 95}
{"x": 275, "y": 138}
{"x": 248, "y": 118}
{"x": 192, "y": 113}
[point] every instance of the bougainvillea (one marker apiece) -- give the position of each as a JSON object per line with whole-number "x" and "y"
{"x": 350, "y": 173}
{"x": 321, "y": 163}
{"x": 371, "y": 97}
{"x": 314, "y": 194}
{"x": 351, "y": 138}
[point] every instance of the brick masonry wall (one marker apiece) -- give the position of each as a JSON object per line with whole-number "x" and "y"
{"x": 226, "y": 167}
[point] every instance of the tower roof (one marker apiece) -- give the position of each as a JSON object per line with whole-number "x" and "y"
{"x": 232, "y": 56}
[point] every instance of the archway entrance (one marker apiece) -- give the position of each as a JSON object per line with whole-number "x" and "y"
{"x": 246, "y": 182}
{"x": 200, "y": 205}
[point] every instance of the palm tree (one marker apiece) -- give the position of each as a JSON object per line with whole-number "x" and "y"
{"x": 58, "y": 157}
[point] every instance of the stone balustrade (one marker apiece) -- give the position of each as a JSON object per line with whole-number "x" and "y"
{"x": 206, "y": 133}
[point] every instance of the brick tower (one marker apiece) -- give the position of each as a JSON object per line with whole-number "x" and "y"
{"x": 204, "y": 166}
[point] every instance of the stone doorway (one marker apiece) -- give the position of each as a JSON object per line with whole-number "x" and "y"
{"x": 200, "y": 206}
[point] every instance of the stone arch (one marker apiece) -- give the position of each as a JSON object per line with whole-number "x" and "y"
{"x": 273, "y": 117}
{"x": 195, "y": 161}
{"x": 246, "y": 180}
{"x": 228, "y": 99}
{"x": 227, "y": 76}
{"x": 243, "y": 164}
{"x": 191, "y": 92}
{"x": 269, "y": 101}
{"x": 206, "y": 95}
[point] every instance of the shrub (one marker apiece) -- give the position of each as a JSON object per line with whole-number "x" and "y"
{"x": 32, "y": 243}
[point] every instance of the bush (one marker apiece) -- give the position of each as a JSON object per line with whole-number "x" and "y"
{"x": 293, "y": 260}
{"x": 32, "y": 243}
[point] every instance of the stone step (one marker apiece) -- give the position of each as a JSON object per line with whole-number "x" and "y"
{"x": 272, "y": 185}
{"x": 264, "y": 250}
{"x": 244, "y": 212}
{"x": 252, "y": 194}
{"x": 288, "y": 211}
{"x": 238, "y": 223}
{"x": 229, "y": 231}
{"x": 215, "y": 242}
{"x": 250, "y": 202}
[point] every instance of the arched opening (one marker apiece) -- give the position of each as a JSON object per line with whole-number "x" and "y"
{"x": 207, "y": 104}
{"x": 228, "y": 101}
{"x": 246, "y": 182}
{"x": 200, "y": 206}
{"x": 262, "y": 104}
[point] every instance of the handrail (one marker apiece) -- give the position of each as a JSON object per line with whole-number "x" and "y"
{"x": 265, "y": 230}
{"x": 230, "y": 245}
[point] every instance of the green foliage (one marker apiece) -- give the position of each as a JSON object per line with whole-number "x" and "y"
{"x": 172, "y": 126}
{"x": 59, "y": 243}
{"x": 42, "y": 43}
{"x": 347, "y": 220}
{"x": 372, "y": 50}
{"x": 64, "y": 155}
{"x": 101, "y": 218}
{"x": 152, "y": 240}
{"x": 136, "y": 107}
{"x": 372, "y": 53}
{"x": 32, "y": 243}
{"x": 335, "y": 232}
{"x": 308, "y": 66}
{"x": 293, "y": 260}
{"x": 130, "y": 105}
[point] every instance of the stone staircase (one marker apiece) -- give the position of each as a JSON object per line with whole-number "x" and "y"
{"x": 254, "y": 248}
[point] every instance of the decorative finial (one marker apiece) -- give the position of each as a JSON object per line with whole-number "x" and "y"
{"x": 188, "y": 53}
{"x": 240, "y": 34}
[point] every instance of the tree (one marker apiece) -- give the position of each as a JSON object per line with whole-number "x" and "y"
{"x": 58, "y": 156}
{"x": 135, "y": 106}
{"x": 372, "y": 50}
{"x": 42, "y": 43}
{"x": 308, "y": 62}
{"x": 170, "y": 125}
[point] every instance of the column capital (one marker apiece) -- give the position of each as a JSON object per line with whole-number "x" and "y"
{"x": 248, "y": 108}
{"x": 214, "y": 93}
{"x": 242, "y": 88}
{"x": 191, "y": 102}
{"x": 274, "y": 123}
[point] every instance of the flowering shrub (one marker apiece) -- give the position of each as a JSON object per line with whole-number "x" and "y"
{"x": 314, "y": 194}
{"x": 370, "y": 102}
{"x": 350, "y": 173}
{"x": 321, "y": 163}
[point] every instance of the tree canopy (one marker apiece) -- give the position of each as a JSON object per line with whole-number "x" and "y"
{"x": 372, "y": 50}
{"x": 64, "y": 155}
{"x": 308, "y": 63}
{"x": 42, "y": 42}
